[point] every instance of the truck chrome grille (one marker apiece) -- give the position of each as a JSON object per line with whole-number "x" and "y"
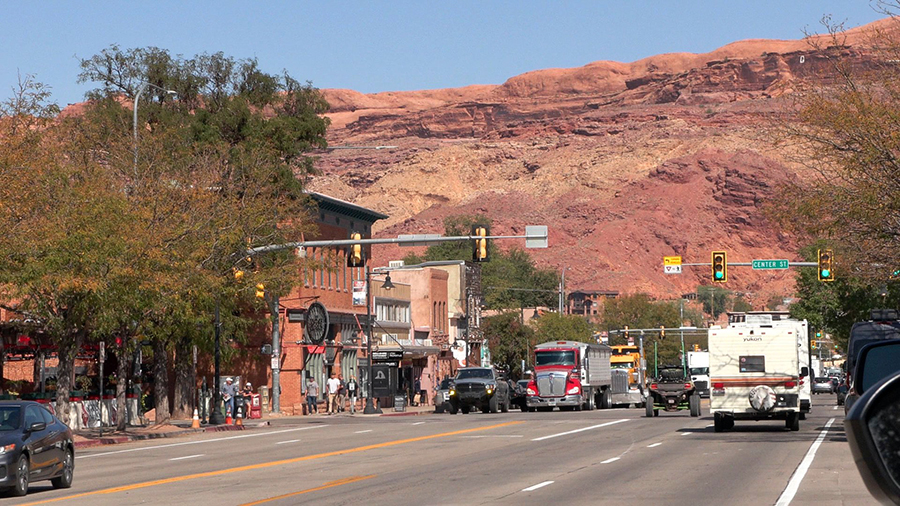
{"x": 619, "y": 381}
{"x": 552, "y": 384}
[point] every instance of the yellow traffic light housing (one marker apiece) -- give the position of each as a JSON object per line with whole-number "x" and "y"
{"x": 260, "y": 291}
{"x": 355, "y": 256}
{"x": 813, "y": 344}
{"x": 826, "y": 267}
{"x": 719, "y": 267}
{"x": 480, "y": 245}
{"x": 662, "y": 333}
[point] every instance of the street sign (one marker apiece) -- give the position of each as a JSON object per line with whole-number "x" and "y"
{"x": 672, "y": 265}
{"x": 770, "y": 264}
{"x": 535, "y": 236}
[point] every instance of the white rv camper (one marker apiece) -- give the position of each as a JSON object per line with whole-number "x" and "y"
{"x": 754, "y": 375}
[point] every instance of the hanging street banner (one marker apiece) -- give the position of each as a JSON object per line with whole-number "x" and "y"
{"x": 359, "y": 293}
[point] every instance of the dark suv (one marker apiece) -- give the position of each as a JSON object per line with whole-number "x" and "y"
{"x": 480, "y": 388}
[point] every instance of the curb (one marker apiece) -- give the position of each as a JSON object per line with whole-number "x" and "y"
{"x": 111, "y": 440}
{"x": 408, "y": 413}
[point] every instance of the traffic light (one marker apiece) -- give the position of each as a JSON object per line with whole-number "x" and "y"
{"x": 826, "y": 269}
{"x": 662, "y": 332}
{"x": 813, "y": 343}
{"x": 626, "y": 332}
{"x": 696, "y": 347}
{"x": 260, "y": 291}
{"x": 355, "y": 253}
{"x": 719, "y": 267}
{"x": 480, "y": 245}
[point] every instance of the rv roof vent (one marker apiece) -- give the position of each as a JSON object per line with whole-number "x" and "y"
{"x": 759, "y": 319}
{"x": 395, "y": 263}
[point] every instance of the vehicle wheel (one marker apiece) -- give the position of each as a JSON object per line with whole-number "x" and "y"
{"x": 454, "y": 409}
{"x": 793, "y": 422}
{"x": 803, "y": 416}
{"x": 729, "y": 422}
{"x": 591, "y": 403}
{"x": 718, "y": 422}
{"x": 605, "y": 399}
{"x": 68, "y": 473}
{"x": 492, "y": 405}
{"x": 22, "y": 469}
{"x": 465, "y": 410}
{"x": 649, "y": 407}
{"x": 656, "y": 412}
{"x": 694, "y": 403}
{"x": 438, "y": 408}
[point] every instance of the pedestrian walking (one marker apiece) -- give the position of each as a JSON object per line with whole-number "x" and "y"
{"x": 229, "y": 391}
{"x": 352, "y": 393}
{"x": 332, "y": 387}
{"x": 312, "y": 396}
{"x": 342, "y": 393}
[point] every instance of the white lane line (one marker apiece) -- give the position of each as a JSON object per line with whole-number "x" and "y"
{"x": 188, "y": 457}
{"x": 362, "y": 431}
{"x": 418, "y": 423}
{"x": 496, "y": 435}
{"x": 794, "y": 484}
{"x": 288, "y": 441}
{"x": 535, "y": 487}
{"x": 654, "y": 445}
{"x": 581, "y": 429}
{"x": 198, "y": 442}
{"x": 607, "y": 461}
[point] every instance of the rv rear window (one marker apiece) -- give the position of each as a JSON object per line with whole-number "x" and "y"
{"x": 753, "y": 363}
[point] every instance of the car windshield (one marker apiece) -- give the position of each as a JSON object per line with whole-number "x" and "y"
{"x": 622, "y": 365}
{"x": 523, "y": 383}
{"x": 863, "y": 333}
{"x": 555, "y": 358}
{"x": 9, "y": 418}
{"x": 445, "y": 385}
{"x": 823, "y": 380}
{"x": 699, "y": 370}
{"x": 474, "y": 373}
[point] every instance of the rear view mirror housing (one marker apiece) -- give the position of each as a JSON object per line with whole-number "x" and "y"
{"x": 877, "y": 361}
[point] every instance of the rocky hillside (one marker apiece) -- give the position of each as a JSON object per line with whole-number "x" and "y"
{"x": 625, "y": 162}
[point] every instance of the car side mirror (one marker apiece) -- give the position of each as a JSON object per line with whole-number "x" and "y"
{"x": 873, "y": 431}
{"x": 37, "y": 427}
{"x": 877, "y": 361}
{"x": 804, "y": 372}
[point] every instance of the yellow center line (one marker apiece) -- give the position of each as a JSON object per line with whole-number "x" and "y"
{"x": 330, "y": 484}
{"x": 263, "y": 465}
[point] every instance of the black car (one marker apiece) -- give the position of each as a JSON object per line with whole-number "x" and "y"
{"x": 480, "y": 388}
{"x": 517, "y": 394}
{"x": 34, "y": 446}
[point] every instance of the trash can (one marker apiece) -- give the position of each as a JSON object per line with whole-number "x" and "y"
{"x": 255, "y": 406}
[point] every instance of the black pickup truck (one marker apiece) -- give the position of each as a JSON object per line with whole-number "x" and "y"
{"x": 479, "y": 388}
{"x": 672, "y": 391}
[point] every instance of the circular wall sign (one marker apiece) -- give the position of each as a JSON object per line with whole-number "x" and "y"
{"x": 316, "y": 323}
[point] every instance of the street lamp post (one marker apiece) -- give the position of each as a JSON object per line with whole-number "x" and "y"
{"x": 137, "y": 97}
{"x": 215, "y": 414}
{"x": 370, "y": 408}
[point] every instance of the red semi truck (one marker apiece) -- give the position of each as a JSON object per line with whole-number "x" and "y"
{"x": 570, "y": 375}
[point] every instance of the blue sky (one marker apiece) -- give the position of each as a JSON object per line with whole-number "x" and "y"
{"x": 372, "y": 46}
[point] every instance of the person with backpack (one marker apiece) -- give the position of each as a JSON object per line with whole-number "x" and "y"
{"x": 352, "y": 393}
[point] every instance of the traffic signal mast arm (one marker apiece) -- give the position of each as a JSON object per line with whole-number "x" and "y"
{"x": 402, "y": 240}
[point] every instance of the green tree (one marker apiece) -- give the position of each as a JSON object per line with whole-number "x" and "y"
{"x": 510, "y": 280}
{"x": 715, "y": 300}
{"x": 639, "y": 311}
{"x": 557, "y": 327}
{"x": 509, "y": 341}
{"x": 835, "y": 306}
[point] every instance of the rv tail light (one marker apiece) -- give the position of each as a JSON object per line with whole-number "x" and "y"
{"x": 719, "y": 386}
{"x": 789, "y": 384}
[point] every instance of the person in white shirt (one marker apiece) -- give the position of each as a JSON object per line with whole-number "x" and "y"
{"x": 332, "y": 387}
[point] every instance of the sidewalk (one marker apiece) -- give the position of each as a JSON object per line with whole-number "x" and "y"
{"x": 88, "y": 438}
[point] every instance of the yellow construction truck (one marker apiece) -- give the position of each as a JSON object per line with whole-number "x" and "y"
{"x": 627, "y": 376}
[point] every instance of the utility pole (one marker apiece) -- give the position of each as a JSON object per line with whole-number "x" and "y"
{"x": 276, "y": 356}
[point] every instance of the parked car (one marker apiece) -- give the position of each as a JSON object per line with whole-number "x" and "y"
{"x": 823, "y": 385}
{"x": 34, "y": 446}
{"x": 442, "y": 396}
{"x": 842, "y": 394}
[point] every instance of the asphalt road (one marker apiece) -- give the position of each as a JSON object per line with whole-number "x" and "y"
{"x": 599, "y": 457}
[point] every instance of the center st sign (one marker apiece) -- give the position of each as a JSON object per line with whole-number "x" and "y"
{"x": 770, "y": 264}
